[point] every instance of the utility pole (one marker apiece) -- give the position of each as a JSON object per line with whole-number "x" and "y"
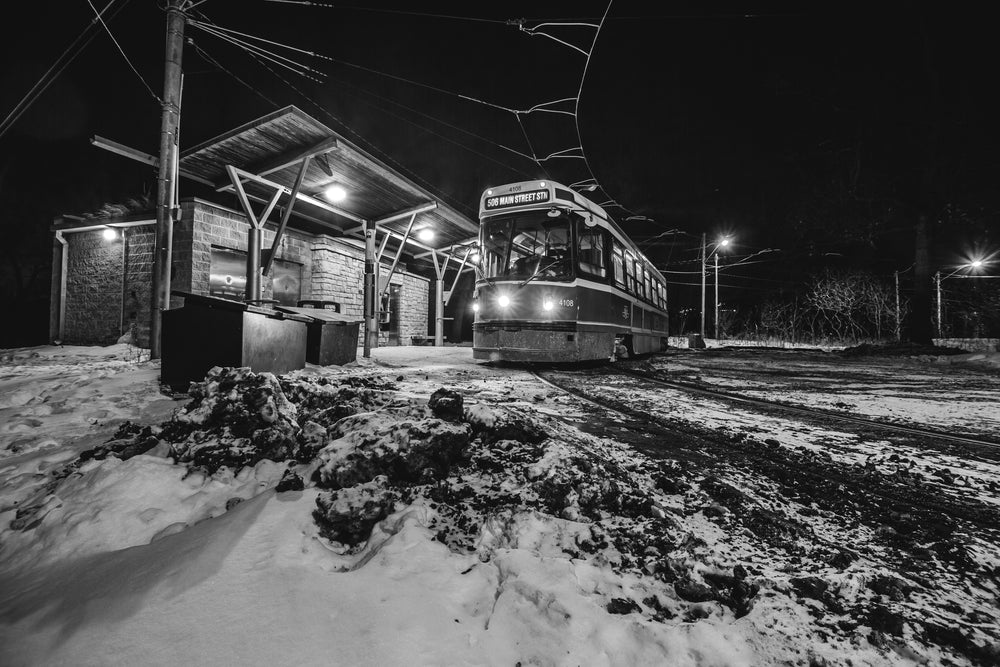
{"x": 703, "y": 260}
{"x": 716, "y": 296}
{"x": 898, "y": 327}
{"x": 165, "y": 184}
{"x": 937, "y": 289}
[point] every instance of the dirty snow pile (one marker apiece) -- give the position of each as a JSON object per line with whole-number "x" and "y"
{"x": 347, "y": 516}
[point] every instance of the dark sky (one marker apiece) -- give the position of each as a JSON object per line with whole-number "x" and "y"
{"x": 820, "y": 129}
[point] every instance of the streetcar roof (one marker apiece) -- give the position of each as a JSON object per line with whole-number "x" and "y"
{"x": 566, "y": 195}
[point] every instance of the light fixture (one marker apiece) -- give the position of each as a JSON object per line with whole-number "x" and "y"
{"x": 475, "y": 306}
{"x": 503, "y": 301}
{"x": 425, "y": 234}
{"x": 335, "y": 193}
{"x": 474, "y": 258}
{"x": 110, "y": 234}
{"x": 554, "y": 212}
{"x": 547, "y": 305}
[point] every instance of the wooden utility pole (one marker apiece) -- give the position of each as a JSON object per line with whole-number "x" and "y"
{"x": 165, "y": 183}
{"x": 704, "y": 250}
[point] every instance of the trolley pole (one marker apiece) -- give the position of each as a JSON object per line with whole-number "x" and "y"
{"x": 165, "y": 185}
{"x": 703, "y": 260}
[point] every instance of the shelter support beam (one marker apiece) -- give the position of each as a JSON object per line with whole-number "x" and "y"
{"x": 458, "y": 274}
{"x": 254, "y": 234}
{"x": 371, "y": 331}
{"x": 300, "y": 196}
{"x": 399, "y": 252}
{"x": 285, "y": 215}
{"x": 61, "y": 248}
{"x": 439, "y": 302}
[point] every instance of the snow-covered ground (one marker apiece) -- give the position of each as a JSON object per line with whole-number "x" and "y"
{"x": 415, "y": 508}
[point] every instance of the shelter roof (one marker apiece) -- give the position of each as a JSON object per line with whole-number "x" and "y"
{"x": 268, "y": 153}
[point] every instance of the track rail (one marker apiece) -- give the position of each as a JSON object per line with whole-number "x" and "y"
{"x": 808, "y": 412}
{"x": 826, "y": 477}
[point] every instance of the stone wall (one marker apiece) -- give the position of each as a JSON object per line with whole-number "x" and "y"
{"x": 338, "y": 275}
{"x": 220, "y": 227}
{"x": 93, "y": 289}
{"x": 109, "y": 284}
{"x": 137, "y": 287}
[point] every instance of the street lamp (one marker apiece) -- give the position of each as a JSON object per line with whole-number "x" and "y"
{"x": 721, "y": 243}
{"x": 973, "y": 265}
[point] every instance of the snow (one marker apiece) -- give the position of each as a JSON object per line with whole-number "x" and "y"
{"x": 508, "y": 535}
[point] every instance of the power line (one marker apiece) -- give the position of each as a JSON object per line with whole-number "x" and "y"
{"x": 67, "y": 56}
{"x": 122, "y": 51}
{"x": 216, "y": 63}
{"x": 276, "y": 58}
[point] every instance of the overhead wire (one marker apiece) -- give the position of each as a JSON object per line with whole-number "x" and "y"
{"x": 278, "y": 59}
{"x": 50, "y": 75}
{"x": 122, "y": 51}
{"x": 342, "y": 124}
{"x": 394, "y": 115}
{"x": 204, "y": 54}
{"x": 575, "y": 153}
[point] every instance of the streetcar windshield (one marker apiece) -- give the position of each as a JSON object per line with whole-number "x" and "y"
{"x": 526, "y": 246}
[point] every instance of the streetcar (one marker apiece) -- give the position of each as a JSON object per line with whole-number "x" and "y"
{"x": 559, "y": 281}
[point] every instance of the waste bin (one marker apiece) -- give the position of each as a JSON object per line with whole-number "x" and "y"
{"x": 209, "y": 331}
{"x": 331, "y": 338}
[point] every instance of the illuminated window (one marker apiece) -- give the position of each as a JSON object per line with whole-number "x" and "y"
{"x": 591, "y": 251}
{"x": 618, "y": 264}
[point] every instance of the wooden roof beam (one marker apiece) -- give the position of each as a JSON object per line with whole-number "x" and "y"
{"x": 283, "y": 161}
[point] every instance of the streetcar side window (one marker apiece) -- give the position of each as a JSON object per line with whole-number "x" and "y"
{"x": 618, "y": 264}
{"x": 630, "y": 272}
{"x": 591, "y": 253}
{"x": 649, "y": 288}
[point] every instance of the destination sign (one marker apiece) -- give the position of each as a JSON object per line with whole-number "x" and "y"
{"x": 516, "y": 199}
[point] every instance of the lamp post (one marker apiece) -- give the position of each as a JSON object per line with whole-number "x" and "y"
{"x": 721, "y": 243}
{"x": 974, "y": 264}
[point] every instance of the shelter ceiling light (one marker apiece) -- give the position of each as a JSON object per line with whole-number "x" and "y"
{"x": 425, "y": 234}
{"x": 335, "y": 193}
{"x": 110, "y": 234}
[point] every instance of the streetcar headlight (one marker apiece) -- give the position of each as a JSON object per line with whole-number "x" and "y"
{"x": 503, "y": 301}
{"x": 547, "y": 304}
{"x": 475, "y": 306}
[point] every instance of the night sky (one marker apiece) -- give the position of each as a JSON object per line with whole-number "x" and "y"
{"x": 818, "y": 131}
